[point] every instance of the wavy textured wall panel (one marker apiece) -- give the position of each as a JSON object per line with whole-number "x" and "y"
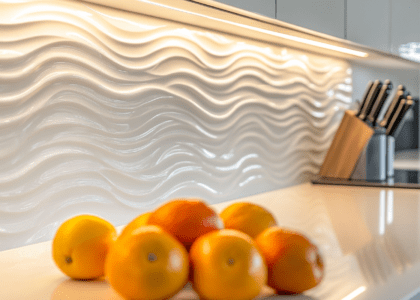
{"x": 112, "y": 113}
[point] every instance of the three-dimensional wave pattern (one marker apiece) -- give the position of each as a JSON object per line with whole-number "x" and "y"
{"x": 114, "y": 116}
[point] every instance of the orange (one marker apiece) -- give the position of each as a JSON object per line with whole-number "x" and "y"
{"x": 186, "y": 219}
{"x": 147, "y": 263}
{"x": 80, "y": 246}
{"x": 294, "y": 263}
{"x": 141, "y": 220}
{"x": 227, "y": 264}
{"x": 249, "y": 218}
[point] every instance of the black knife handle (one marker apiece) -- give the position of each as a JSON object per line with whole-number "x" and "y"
{"x": 406, "y": 105}
{"x": 373, "y": 94}
{"x": 364, "y": 98}
{"x": 392, "y": 108}
{"x": 391, "y": 124}
{"x": 377, "y": 106}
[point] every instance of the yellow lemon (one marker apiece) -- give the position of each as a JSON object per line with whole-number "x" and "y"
{"x": 81, "y": 244}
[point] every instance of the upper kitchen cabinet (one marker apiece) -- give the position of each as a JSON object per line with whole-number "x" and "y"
{"x": 263, "y": 7}
{"x": 405, "y": 28}
{"x": 326, "y": 16}
{"x": 368, "y": 23}
{"x": 385, "y": 25}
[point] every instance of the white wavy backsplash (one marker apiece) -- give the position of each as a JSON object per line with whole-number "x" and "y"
{"x": 112, "y": 113}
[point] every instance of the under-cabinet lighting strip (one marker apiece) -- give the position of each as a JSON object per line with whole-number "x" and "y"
{"x": 273, "y": 33}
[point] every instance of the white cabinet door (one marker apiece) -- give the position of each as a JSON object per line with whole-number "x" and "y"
{"x": 326, "y": 16}
{"x": 405, "y": 23}
{"x": 263, "y": 7}
{"x": 384, "y": 25}
{"x": 368, "y": 23}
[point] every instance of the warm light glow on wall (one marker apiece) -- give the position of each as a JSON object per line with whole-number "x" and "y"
{"x": 112, "y": 110}
{"x": 273, "y": 33}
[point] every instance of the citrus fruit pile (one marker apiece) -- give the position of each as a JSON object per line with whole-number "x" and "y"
{"x": 231, "y": 255}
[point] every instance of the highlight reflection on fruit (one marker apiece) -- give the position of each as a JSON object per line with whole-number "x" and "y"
{"x": 81, "y": 244}
{"x": 226, "y": 264}
{"x": 294, "y": 263}
{"x": 249, "y": 218}
{"x": 148, "y": 264}
{"x": 186, "y": 219}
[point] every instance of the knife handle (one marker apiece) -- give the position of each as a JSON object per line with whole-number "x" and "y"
{"x": 395, "y": 116}
{"x": 392, "y": 108}
{"x": 364, "y": 98}
{"x": 377, "y": 106}
{"x": 394, "y": 132}
{"x": 373, "y": 94}
{"x": 402, "y": 88}
{"x": 404, "y": 106}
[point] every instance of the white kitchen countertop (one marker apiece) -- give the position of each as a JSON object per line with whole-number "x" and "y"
{"x": 369, "y": 238}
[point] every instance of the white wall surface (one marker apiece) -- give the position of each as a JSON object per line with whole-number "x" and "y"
{"x": 146, "y": 110}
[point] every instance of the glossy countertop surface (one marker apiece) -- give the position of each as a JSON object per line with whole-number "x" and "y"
{"x": 369, "y": 238}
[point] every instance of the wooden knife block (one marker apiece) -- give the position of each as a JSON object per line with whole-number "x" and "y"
{"x": 349, "y": 141}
